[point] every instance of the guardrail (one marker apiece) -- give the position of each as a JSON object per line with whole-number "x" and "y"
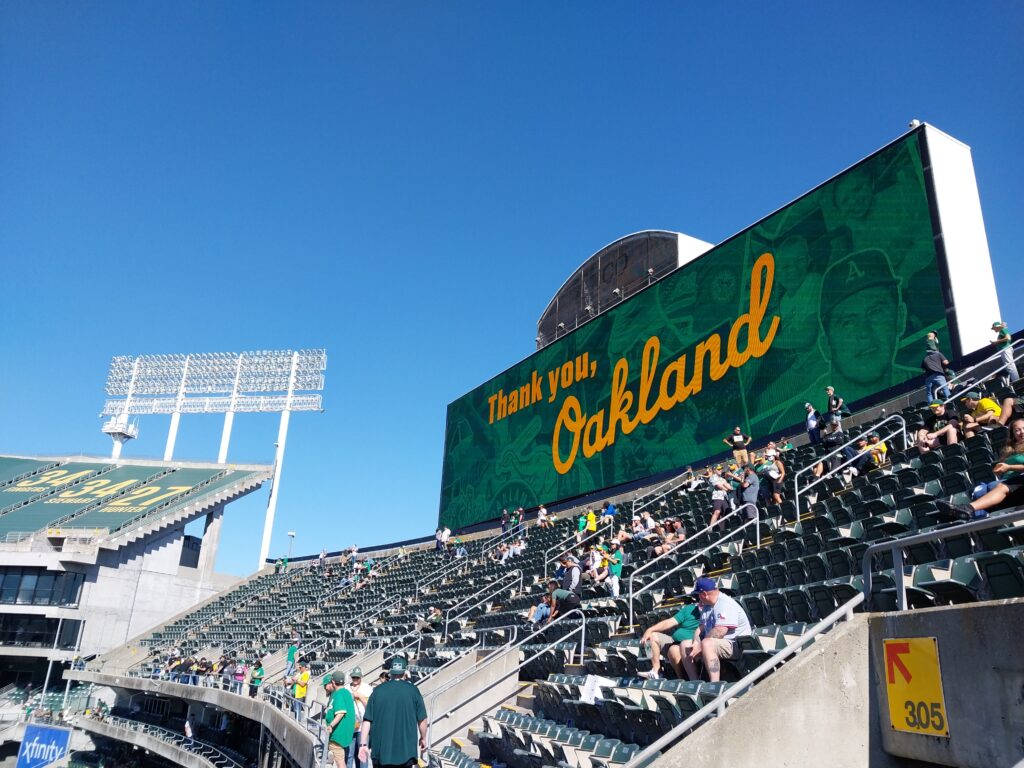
{"x": 898, "y": 545}
{"x": 512, "y": 533}
{"x": 756, "y": 522}
{"x": 718, "y": 706}
{"x": 831, "y": 473}
{"x": 104, "y": 500}
{"x": 55, "y": 490}
{"x": 962, "y": 377}
{"x": 603, "y": 527}
{"x": 487, "y": 591}
{"x": 498, "y": 655}
{"x": 200, "y": 748}
{"x": 636, "y": 510}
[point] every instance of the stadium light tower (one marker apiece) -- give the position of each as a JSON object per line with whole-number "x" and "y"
{"x": 274, "y": 381}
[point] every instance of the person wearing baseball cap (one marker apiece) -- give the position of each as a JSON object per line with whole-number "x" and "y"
{"x": 940, "y": 428}
{"x": 1004, "y": 342}
{"x": 722, "y": 620}
{"x": 340, "y": 718}
{"x": 395, "y": 716}
{"x": 983, "y": 411}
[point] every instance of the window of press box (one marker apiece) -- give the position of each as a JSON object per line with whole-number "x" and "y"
{"x": 38, "y": 586}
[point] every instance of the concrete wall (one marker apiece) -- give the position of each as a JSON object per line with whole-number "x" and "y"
{"x": 981, "y": 659}
{"x": 155, "y": 745}
{"x": 489, "y": 685}
{"x": 817, "y": 710}
{"x": 292, "y": 737}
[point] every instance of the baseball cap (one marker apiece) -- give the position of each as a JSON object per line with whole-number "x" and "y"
{"x": 328, "y": 679}
{"x": 996, "y": 324}
{"x": 934, "y": 403}
{"x": 808, "y": 405}
{"x": 398, "y": 665}
{"x": 972, "y": 395}
{"x": 703, "y": 584}
{"x": 338, "y": 677}
{"x": 356, "y": 672}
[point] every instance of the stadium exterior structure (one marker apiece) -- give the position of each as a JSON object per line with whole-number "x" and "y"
{"x": 93, "y": 551}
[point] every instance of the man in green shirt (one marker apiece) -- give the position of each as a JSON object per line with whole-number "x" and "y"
{"x": 394, "y": 714}
{"x": 340, "y": 718}
{"x": 683, "y": 626}
{"x": 614, "y": 558}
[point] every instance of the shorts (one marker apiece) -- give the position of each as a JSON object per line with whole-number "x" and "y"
{"x": 664, "y": 641}
{"x": 725, "y": 648}
{"x": 338, "y": 753}
{"x": 719, "y": 505}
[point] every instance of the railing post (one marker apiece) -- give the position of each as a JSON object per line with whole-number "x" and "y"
{"x": 897, "y": 568}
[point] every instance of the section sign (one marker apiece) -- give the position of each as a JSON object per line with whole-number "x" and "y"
{"x": 838, "y": 288}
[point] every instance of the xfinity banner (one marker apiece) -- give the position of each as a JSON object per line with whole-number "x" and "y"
{"x": 43, "y": 745}
{"x": 838, "y": 288}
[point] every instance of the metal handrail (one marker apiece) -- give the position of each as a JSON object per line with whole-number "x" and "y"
{"x": 496, "y": 656}
{"x": 496, "y": 541}
{"x": 608, "y": 527}
{"x": 900, "y": 544}
{"x": 717, "y": 707}
{"x": 636, "y": 510}
{"x": 176, "y": 739}
{"x": 372, "y": 614}
{"x": 493, "y": 588}
{"x": 960, "y": 377}
{"x": 459, "y": 564}
{"x": 757, "y": 532}
{"x": 174, "y": 501}
{"x": 831, "y": 473}
{"x": 30, "y": 473}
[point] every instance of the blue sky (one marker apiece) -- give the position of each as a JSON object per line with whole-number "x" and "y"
{"x": 407, "y": 184}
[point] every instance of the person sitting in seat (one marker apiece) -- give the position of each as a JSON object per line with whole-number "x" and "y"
{"x": 1012, "y": 407}
{"x": 982, "y": 411}
{"x": 683, "y": 626}
{"x": 1006, "y": 491}
{"x": 722, "y": 620}
{"x": 539, "y": 613}
{"x": 941, "y": 427}
{"x": 877, "y": 448}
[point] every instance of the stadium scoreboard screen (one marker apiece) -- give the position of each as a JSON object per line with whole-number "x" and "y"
{"x": 838, "y": 288}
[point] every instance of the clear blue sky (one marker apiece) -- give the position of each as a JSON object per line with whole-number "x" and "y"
{"x": 407, "y": 184}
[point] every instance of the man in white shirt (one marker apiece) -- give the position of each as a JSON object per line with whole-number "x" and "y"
{"x": 722, "y": 620}
{"x": 360, "y": 695}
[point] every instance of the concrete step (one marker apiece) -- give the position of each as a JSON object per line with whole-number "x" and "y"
{"x": 467, "y": 747}
{"x": 525, "y": 697}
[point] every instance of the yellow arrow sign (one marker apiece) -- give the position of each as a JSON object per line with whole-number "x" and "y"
{"x": 913, "y": 682}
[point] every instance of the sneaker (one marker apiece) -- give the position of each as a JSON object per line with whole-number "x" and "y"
{"x": 650, "y": 675}
{"x": 959, "y": 511}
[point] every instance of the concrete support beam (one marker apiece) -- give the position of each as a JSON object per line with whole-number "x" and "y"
{"x": 211, "y": 541}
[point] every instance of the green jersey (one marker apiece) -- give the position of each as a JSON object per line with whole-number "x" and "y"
{"x": 689, "y": 619}
{"x": 342, "y": 701}
{"x": 395, "y": 710}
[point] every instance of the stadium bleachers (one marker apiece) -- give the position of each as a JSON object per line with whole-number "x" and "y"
{"x": 809, "y": 563}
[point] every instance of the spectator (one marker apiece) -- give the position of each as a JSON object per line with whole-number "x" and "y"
{"x": 299, "y": 684}
{"x": 394, "y": 715}
{"x": 614, "y": 565}
{"x": 738, "y": 442}
{"x": 864, "y": 460}
{"x": 984, "y": 411}
{"x": 539, "y": 613}
{"x": 719, "y": 497}
{"x": 240, "y": 672}
{"x": 1011, "y": 407}
{"x": 581, "y": 526}
{"x": 1009, "y": 466}
{"x": 775, "y": 472}
{"x": 812, "y": 423}
{"x": 677, "y": 647}
{"x": 673, "y": 534}
{"x": 1004, "y": 342}
{"x": 836, "y": 407}
{"x": 591, "y": 522}
{"x": 446, "y": 533}
{"x": 940, "y": 428}
{"x": 323, "y": 560}
{"x": 460, "y": 549}
{"x": 934, "y": 366}
{"x": 277, "y": 566}
{"x": 877, "y": 448}
{"x": 293, "y": 649}
{"x": 750, "y": 489}
{"x": 504, "y": 520}
{"x": 437, "y": 540}
{"x": 190, "y": 727}
{"x": 722, "y": 620}
{"x": 339, "y": 718}
{"x": 360, "y": 695}
{"x": 227, "y": 674}
{"x": 567, "y": 597}
{"x": 833, "y": 438}
{"x": 256, "y": 679}
{"x": 607, "y": 510}
{"x": 542, "y": 517}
